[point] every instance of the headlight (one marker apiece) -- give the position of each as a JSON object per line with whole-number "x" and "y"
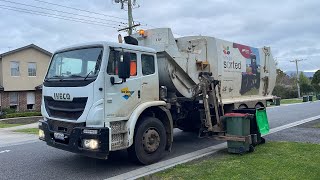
{"x": 90, "y": 144}
{"x": 41, "y": 134}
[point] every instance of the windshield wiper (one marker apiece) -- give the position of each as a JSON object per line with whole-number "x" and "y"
{"x": 87, "y": 75}
{"x": 97, "y": 66}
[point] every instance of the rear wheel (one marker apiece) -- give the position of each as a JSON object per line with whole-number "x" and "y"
{"x": 258, "y": 106}
{"x": 243, "y": 106}
{"x": 149, "y": 141}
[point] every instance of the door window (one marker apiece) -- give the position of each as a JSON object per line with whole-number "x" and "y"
{"x": 148, "y": 65}
{"x": 114, "y": 58}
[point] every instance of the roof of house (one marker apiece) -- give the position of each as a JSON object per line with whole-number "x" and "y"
{"x": 39, "y": 87}
{"x": 27, "y": 47}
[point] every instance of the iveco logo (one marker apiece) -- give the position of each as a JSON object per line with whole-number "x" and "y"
{"x": 62, "y": 97}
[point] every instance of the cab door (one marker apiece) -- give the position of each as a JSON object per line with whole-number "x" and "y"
{"x": 122, "y": 98}
{"x": 149, "y": 78}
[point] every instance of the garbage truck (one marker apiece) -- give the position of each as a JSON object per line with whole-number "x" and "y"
{"x": 106, "y": 96}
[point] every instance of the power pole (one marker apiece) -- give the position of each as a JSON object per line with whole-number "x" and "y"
{"x": 130, "y": 18}
{"x": 131, "y": 24}
{"x": 298, "y": 85}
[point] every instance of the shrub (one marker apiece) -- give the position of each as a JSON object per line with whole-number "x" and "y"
{"x": 22, "y": 114}
{"x": 285, "y": 92}
{"x": 8, "y": 110}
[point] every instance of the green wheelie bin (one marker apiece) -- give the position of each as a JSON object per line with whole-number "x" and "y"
{"x": 238, "y": 124}
{"x": 305, "y": 99}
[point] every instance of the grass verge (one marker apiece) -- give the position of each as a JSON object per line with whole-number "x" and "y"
{"x": 22, "y": 114}
{"x": 28, "y": 130}
{"x": 4, "y": 124}
{"x": 273, "y": 160}
{"x": 317, "y": 125}
{"x": 290, "y": 101}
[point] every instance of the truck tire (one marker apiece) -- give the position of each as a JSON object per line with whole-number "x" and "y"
{"x": 149, "y": 141}
{"x": 258, "y": 106}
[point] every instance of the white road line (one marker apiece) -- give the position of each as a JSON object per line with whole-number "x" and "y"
{"x": 4, "y": 151}
{"x": 153, "y": 168}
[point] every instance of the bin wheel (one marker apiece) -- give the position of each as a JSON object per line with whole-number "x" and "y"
{"x": 251, "y": 148}
{"x": 263, "y": 140}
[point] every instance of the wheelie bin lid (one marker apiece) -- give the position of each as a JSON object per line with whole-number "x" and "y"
{"x": 236, "y": 115}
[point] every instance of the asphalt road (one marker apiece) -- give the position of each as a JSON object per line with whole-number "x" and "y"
{"x": 39, "y": 161}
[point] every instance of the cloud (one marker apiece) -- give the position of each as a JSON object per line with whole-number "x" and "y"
{"x": 289, "y": 27}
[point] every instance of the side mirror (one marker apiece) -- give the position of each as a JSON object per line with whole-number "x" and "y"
{"x": 124, "y": 65}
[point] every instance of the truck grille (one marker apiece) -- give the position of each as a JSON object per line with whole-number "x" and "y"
{"x": 71, "y": 110}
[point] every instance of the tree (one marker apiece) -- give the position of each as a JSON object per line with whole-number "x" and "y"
{"x": 285, "y": 87}
{"x": 305, "y": 84}
{"x": 283, "y": 79}
{"x": 316, "y": 81}
{"x": 303, "y": 79}
{"x": 285, "y": 92}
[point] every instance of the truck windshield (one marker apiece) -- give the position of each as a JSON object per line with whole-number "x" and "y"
{"x": 79, "y": 63}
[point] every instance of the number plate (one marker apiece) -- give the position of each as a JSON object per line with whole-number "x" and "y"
{"x": 59, "y": 136}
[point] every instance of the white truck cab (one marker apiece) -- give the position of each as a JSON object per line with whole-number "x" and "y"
{"x": 86, "y": 106}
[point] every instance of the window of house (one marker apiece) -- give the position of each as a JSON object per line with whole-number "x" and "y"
{"x": 15, "y": 71}
{"x": 13, "y": 97}
{"x": 114, "y": 58}
{"x": 31, "y": 100}
{"x": 32, "y": 69}
{"x": 147, "y": 63}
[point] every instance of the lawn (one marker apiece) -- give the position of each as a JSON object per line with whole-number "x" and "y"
{"x": 28, "y": 131}
{"x": 273, "y": 160}
{"x": 4, "y": 124}
{"x": 317, "y": 125}
{"x": 295, "y": 100}
{"x": 290, "y": 101}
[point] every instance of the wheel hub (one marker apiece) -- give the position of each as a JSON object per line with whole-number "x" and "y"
{"x": 150, "y": 140}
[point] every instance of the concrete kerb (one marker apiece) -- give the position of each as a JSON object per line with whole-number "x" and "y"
{"x": 160, "y": 166}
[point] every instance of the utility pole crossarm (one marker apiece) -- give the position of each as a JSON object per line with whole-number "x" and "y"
{"x": 130, "y": 27}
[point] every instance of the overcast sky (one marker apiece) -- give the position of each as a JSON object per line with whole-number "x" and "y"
{"x": 290, "y": 27}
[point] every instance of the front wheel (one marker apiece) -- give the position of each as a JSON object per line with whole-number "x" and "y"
{"x": 149, "y": 141}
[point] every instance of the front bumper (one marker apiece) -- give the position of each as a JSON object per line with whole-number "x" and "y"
{"x": 73, "y": 140}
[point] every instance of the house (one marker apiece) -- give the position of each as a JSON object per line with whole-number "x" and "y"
{"x": 22, "y": 72}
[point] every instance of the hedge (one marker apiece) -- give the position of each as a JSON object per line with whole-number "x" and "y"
{"x": 22, "y": 114}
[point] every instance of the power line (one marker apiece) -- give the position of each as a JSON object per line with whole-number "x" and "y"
{"x": 60, "y": 11}
{"x": 83, "y": 10}
{"x": 312, "y": 64}
{"x": 58, "y": 16}
{"x": 87, "y": 11}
